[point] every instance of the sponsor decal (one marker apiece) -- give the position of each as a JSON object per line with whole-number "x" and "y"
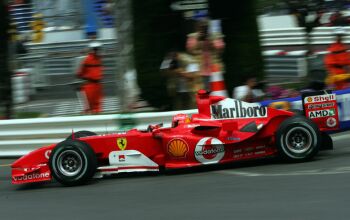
{"x": 32, "y": 176}
{"x": 233, "y": 138}
{"x": 321, "y": 105}
{"x": 122, "y": 142}
{"x": 121, "y": 158}
{"x": 231, "y": 108}
{"x": 177, "y": 148}
{"x": 331, "y": 122}
{"x": 47, "y": 154}
{"x": 322, "y": 113}
{"x": 192, "y": 125}
{"x": 320, "y": 98}
{"x": 209, "y": 150}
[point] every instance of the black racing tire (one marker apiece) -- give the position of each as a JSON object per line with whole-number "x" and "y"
{"x": 298, "y": 139}
{"x": 80, "y": 134}
{"x": 72, "y": 162}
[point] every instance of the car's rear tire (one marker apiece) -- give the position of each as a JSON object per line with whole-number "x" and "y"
{"x": 298, "y": 139}
{"x": 72, "y": 162}
{"x": 80, "y": 134}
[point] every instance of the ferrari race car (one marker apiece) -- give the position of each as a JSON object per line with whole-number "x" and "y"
{"x": 223, "y": 131}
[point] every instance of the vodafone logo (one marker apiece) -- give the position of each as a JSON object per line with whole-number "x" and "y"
{"x": 33, "y": 176}
{"x": 209, "y": 150}
{"x": 47, "y": 154}
{"x": 331, "y": 122}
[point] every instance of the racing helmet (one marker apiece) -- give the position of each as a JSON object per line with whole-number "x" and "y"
{"x": 180, "y": 119}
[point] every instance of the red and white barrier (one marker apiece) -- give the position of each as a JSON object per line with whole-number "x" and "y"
{"x": 291, "y": 53}
{"x": 217, "y": 82}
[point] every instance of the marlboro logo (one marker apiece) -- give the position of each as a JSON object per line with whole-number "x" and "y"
{"x": 237, "y": 109}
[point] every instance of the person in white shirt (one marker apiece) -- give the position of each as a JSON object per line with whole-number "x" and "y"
{"x": 248, "y": 92}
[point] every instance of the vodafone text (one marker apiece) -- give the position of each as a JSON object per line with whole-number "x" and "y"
{"x": 32, "y": 176}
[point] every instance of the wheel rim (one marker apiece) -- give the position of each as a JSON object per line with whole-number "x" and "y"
{"x": 69, "y": 163}
{"x": 299, "y": 140}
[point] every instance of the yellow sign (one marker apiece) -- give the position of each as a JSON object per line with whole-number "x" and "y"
{"x": 122, "y": 142}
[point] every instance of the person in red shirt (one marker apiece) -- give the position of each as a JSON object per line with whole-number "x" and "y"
{"x": 337, "y": 62}
{"x": 91, "y": 72}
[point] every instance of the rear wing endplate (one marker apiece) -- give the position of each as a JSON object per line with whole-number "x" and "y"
{"x": 321, "y": 107}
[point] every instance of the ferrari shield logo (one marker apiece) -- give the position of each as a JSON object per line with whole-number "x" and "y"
{"x": 121, "y": 142}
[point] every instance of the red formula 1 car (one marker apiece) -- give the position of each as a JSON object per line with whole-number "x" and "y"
{"x": 224, "y": 130}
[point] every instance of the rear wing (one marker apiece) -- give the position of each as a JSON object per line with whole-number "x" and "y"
{"x": 321, "y": 107}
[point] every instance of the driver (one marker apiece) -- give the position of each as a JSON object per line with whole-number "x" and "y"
{"x": 179, "y": 119}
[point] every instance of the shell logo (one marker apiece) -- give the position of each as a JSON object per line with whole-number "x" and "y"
{"x": 309, "y": 99}
{"x": 177, "y": 148}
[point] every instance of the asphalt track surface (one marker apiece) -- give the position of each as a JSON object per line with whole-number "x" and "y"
{"x": 265, "y": 189}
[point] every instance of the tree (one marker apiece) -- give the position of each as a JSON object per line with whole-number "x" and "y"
{"x": 5, "y": 75}
{"x": 242, "y": 56}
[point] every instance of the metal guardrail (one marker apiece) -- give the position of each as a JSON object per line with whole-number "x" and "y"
{"x": 20, "y": 136}
{"x": 285, "y": 66}
{"x": 49, "y": 61}
{"x": 297, "y": 36}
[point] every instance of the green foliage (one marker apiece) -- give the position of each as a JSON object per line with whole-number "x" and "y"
{"x": 156, "y": 30}
{"x": 5, "y": 75}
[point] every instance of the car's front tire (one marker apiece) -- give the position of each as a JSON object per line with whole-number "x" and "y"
{"x": 298, "y": 139}
{"x": 72, "y": 162}
{"x": 80, "y": 134}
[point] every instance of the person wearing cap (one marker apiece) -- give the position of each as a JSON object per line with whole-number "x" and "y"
{"x": 337, "y": 62}
{"x": 91, "y": 72}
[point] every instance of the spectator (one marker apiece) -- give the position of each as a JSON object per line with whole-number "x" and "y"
{"x": 337, "y": 62}
{"x": 37, "y": 26}
{"x": 91, "y": 72}
{"x": 206, "y": 48}
{"x": 248, "y": 92}
{"x": 168, "y": 68}
{"x": 21, "y": 47}
{"x": 183, "y": 79}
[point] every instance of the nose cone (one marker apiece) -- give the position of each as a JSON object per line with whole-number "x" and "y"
{"x": 36, "y": 157}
